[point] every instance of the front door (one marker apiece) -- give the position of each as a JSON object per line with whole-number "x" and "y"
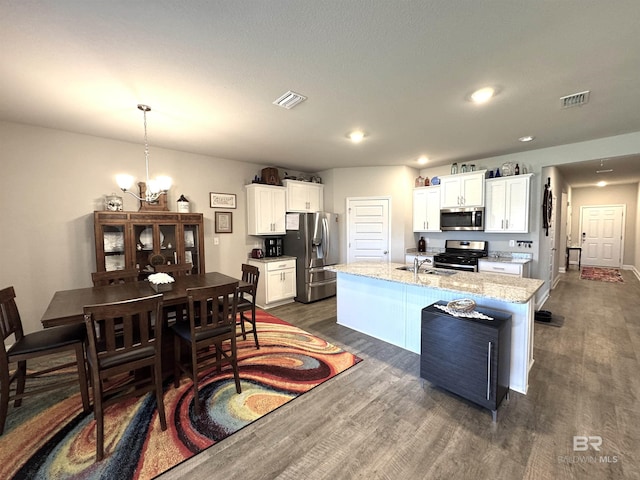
{"x": 601, "y": 230}
{"x": 368, "y": 234}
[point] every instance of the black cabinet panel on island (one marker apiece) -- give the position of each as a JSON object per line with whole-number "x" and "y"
{"x": 467, "y": 356}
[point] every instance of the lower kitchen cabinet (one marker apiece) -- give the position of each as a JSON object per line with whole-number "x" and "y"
{"x": 467, "y": 356}
{"x": 277, "y": 282}
{"x": 518, "y": 269}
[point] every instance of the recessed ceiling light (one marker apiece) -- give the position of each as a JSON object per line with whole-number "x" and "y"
{"x": 356, "y": 136}
{"x": 422, "y": 160}
{"x": 482, "y": 95}
{"x": 526, "y": 138}
{"x": 601, "y": 184}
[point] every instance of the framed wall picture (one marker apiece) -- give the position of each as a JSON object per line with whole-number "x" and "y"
{"x": 222, "y": 200}
{"x": 224, "y": 222}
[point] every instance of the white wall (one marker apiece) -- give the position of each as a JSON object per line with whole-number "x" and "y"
{"x": 393, "y": 182}
{"x": 53, "y": 181}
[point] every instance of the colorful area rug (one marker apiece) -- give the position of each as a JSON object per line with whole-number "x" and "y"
{"x": 59, "y": 441}
{"x": 601, "y": 274}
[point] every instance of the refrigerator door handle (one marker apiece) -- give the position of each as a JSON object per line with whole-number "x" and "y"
{"x": 325, "y": 237}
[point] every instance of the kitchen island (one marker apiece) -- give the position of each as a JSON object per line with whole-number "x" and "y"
{"x": 382, "y": 301}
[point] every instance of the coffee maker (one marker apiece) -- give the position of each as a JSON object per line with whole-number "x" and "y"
{"x": 273, "y": 247}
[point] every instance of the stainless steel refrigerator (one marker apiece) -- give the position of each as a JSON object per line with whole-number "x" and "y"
{"x": 313, "y": 239}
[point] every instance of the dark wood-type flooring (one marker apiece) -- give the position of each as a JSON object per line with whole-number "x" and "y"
{"x": 379, "y": 420}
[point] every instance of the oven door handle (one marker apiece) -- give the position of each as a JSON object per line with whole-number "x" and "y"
{"x": 468, "y": 268}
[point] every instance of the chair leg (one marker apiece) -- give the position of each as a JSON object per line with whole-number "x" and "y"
{"x": 242, "y": 320}
{"x": 4, "y": 398}
{"x": 21, "y": 377}
{"x": 82, "y": 376}
{"x": 157, "y": 373}
{"x": 99, "y": 416}
{"x": 176, "y": 361}
{"x": 253, "y": 322}
{"x": 194, "y": 367}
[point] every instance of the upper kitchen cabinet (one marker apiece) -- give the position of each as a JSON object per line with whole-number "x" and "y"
{"x": 266, "y": 209}
{"x": 507, "y": 207}
{"x": 462, "y": 190}
{"x": 426, "y": 209}
{"x": 304, "y": 196}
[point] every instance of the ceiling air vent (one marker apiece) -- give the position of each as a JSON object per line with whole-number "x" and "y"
{"x": 289, "y": 100}
{"x": 574, "y": 100}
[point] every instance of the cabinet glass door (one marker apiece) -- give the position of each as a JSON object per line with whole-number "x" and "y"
{"x": 113, "y": 247}
{"x": 155, "y": 245}
{"x": 192, "y": 246}
{"x": 168, "y": 244}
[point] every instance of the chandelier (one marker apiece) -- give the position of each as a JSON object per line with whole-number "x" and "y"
{"x": 154, "y": 187}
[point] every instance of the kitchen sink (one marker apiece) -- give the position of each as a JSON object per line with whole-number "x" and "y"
{"x": 428, "y": 271}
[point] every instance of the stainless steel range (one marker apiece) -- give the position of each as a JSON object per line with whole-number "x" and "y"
{"x": 461, "y": 255}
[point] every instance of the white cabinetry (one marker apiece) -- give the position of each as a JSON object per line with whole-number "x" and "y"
{"x": 517, "y": 269}
{"x": 426, "y": 209}
{"x": 277, "y": 283}
{"x": 265, "y": 209}
{"x": 462, "y": 190}
{"x": 507, "y": 208}
{"x": 304, "y": 196}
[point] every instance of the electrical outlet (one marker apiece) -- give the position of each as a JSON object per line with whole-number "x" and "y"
{"x": 216, "y": 240}
{"x": 512, "y": 243}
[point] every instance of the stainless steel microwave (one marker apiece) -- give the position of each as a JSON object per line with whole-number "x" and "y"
{"x": 462, "y": 218}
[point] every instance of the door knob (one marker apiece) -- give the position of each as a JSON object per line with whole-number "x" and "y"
{"x": 385, "y": 252}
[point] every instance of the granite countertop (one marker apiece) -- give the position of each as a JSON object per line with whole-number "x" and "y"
{"x": 272, "y": 259}
{"x": 489, "y": 285}
{"x": 429, "y": 253}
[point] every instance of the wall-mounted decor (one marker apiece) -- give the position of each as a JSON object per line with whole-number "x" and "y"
{"x": 222, "y": 200}
{"x": 224, "y": 222}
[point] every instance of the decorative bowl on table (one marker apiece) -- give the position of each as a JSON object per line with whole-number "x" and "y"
{"x": 161, "y": 282}
{"x": 463, "y": 305}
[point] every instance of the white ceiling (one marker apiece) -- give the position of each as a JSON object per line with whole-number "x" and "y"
{"x": 399, "y": 70}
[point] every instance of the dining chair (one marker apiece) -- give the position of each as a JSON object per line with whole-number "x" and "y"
{"x": 112, "y": 277}
{"x": 50, "y": 341}
{"x": 175, "y": 269}
{"x": 124, "y": 354}
{"x": 247, "y": 301}
{"x": 212, "y": 313}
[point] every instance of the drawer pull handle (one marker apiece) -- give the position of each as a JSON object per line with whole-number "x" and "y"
{"x": 489, "y": 371}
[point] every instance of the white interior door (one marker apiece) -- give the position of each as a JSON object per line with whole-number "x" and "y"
{"x": 368, "y": 233}
{"x": 601, "y": 229}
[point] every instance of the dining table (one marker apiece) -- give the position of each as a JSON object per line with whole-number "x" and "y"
{"x": 67, "y": 306}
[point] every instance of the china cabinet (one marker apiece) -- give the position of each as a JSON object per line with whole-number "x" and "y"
{"x": 507, "y": 204}
{"x": 426, "y": 209}
{"x": 144, "y": 239}
{"x": 266, "y": 209}
{"x": 462, "y": 190}
{"x": 304, "y": 196}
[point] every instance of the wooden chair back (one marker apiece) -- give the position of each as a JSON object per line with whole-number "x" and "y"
{"x": 212, "y": 321}
{"x": 175, "y": 269}
{"x": 10, "y": 322}
{"x": 101, "y": 279}
{"x": 212, "y": 310}
{"x": 247, "y": 302}
{"x": 123, "y": 338}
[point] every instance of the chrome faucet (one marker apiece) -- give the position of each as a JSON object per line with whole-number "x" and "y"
{"x": 417, "y": 264}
